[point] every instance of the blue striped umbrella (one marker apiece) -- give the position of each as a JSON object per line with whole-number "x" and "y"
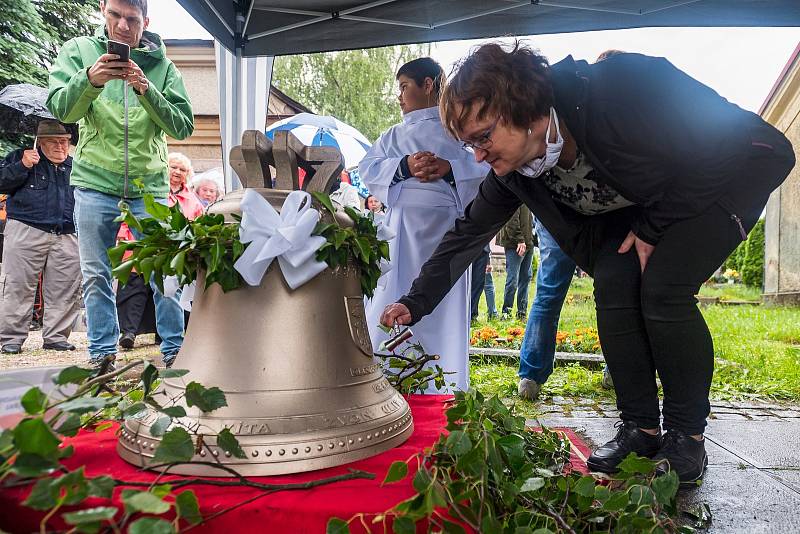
{"x": 323, "y": 130}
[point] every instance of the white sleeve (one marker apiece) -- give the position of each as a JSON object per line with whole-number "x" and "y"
{"x": 377, "y": 169}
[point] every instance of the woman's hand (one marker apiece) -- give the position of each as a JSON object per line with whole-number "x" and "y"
{"x": 521, "y": 249}
{"x": 395, "y": 314}
{"x": 643, "y": 249}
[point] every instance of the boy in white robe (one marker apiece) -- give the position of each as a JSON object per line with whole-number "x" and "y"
{"x": 426, "y": 179}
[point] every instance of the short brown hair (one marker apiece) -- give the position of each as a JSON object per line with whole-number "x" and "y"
{"x": 514, "y": 84}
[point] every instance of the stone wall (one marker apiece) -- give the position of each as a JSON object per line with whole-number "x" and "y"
{"x": 782, "y": 228}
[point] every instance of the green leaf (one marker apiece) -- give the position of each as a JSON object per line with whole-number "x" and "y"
{"x": 633, "y": 464}
{"x": 172, "y": 373}
{"x": 453, "y": 528}
{"x": 69, "y": 425}
{"x": 422, "y": 480}
{"x": 403, "y": 525}
{"x": 161, "y": 490}
{"x": 83, "y": 405}
{"x": 149, "y": 375}
{"x": 103, "y": 426}
{"x": 91, "y": 515}
{"x": 33, "y": 465}
{"x": 618, "y": 501}
{"x": 35, "y": 437}
{"x": 134, "y": 410}
{"x": 73, "y": 375}
{"x": 157, "y": 210}
{"x": 122, "y": 272}
{"x": 397, "y": 471}
{"x": 665, "y": 487}
{"x": 178, "y": 262}
{"x": 160, "y": 426}
{"x": 102, "y": 486}
{"x": 532, "y": 484}
{"x": 43, "y": 495}
{"x": 207, "y": 399}
{"x": 337, "y": 526}
{"x": 151, "y": 525}
{"x": 585, "y": 486}
{"x": 175, "y": 446}
{"x": 188, "y": 509}
{"x": 174, "y": 411}
{"x": 228, "y": 443}
{"x": 143, "y": 501}
{"x": 115, "y": 254}
{"x": 458, "y": 443}
{"x": 325, "y": 200}
{"x": 34, "y": 401}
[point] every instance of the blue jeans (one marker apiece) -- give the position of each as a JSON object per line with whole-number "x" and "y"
{"x": 482, "y": 281}
{"x": 552, "y": 283}
{"x": 518, "y": 280}
{"x": 97, "y": 232}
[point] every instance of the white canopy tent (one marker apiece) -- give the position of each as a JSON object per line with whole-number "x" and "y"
{"x": 267, "y": 28}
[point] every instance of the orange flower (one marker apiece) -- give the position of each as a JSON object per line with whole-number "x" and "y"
{"x": 561, "y": 336}
{"x": 515, "y": 331}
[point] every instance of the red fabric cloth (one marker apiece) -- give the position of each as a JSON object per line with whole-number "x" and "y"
{"x": 301, "y": 511}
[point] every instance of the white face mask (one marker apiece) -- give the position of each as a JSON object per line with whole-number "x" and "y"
{"x": 536, "y": 167}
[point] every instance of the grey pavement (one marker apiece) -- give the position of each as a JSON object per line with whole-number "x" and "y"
{"x": 753, "y": 480}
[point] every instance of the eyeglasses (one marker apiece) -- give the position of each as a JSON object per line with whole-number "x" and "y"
{"x": 484, "y": 141}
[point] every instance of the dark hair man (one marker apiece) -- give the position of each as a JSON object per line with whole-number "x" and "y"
{"x": 93, "y": 88}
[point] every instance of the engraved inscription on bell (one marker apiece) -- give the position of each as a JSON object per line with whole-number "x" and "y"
{"x": 357, "y": 320}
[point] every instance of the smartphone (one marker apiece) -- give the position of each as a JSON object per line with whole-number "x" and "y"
{"x": 123, "y": 50}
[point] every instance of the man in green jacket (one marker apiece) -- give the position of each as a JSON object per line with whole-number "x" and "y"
{"x": 90, "y": 87}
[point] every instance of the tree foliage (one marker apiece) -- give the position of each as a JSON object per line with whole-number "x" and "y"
{"x": 753, "y": 263}
{"x": 356, "y": 86}
{"x": 33, "y": 31}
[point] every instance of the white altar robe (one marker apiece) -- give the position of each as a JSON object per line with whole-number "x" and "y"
{"x": 419, "y": 214}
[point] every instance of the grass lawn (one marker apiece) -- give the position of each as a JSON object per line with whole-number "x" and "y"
{"x": 757, "y": 349}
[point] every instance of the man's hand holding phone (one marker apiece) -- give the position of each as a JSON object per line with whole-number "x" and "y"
{"x": 108, "y": 67}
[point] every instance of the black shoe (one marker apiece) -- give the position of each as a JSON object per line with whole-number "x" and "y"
{"x": 12, "y": 348}
{"x": 629, "y": 438}
{"x": 168, "y": 360}
{"x": 684, "y": 455}
{"x": 127, "y": 340}
{"x": 59, "y": 345}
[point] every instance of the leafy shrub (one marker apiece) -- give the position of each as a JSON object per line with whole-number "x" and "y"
{"x": 753, "y": 265}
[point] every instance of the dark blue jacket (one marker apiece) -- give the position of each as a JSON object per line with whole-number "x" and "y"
{"x": 41, "y": 196}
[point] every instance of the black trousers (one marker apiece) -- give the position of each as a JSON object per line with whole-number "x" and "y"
{"x": 135, "y": 308}
{"x": 649, "y": 322}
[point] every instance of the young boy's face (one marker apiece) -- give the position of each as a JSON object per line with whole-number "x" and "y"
{"x": 412, "y": 96}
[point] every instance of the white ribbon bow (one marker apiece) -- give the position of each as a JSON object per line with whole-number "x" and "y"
{"x": 286, "y": 236}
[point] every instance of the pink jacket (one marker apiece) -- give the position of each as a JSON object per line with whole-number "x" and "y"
{"x": 189, "y": 203}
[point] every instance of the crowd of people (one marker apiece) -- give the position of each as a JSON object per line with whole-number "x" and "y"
{"x": 61, "y": 210}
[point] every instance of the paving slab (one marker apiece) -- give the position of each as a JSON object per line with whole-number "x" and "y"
{"x": 763, "y": 443}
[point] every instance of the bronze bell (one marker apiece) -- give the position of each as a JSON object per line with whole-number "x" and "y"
{"x": 303, "y": 389}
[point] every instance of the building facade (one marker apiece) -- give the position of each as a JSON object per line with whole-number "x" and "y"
{"x": 782, "y": 225}
{"x": 195, "y": 60}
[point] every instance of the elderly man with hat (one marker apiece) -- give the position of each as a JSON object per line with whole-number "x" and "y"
{"x": 39, "y": 236}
